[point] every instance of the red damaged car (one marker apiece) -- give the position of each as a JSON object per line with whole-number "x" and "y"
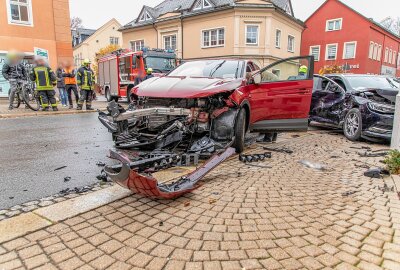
{"x": 197, "y": 116}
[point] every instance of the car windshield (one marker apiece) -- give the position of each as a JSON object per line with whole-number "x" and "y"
{"x": 160, "y": 64}
{"x": 370, "y": 82}
{"x": 209, "y": 69}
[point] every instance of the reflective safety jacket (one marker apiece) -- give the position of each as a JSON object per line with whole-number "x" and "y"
{"x": 44, "y": 78}
{"x": 85, "y": 78}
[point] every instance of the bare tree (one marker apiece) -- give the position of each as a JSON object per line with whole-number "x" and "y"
{"x": 392, "y": 24}
{"x": 76, "y": 22}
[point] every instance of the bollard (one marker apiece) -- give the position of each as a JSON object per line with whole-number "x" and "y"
{"x": 396, "y": 126}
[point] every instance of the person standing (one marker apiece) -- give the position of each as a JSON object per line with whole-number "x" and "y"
{"x": 45, "y": 81}
{"x": 61, "y": 85}
{"x": 70, "y": 83}
{"x": 15, "y": 73}
{"x": 86, "y": 79}
{"x": 149, "y": 74}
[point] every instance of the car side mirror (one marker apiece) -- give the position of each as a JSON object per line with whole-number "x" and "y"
{"x": 257, "y": 78}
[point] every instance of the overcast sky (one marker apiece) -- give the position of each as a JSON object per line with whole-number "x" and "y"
{"x": 95, "y": 13}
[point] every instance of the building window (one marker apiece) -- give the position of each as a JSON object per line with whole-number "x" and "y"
{"x": 316, "y": 52}
{"x": 394, "y": 58}
{"x": 375, "y": 55}
{"x": 291, "y": 44}
{"x": 170, "y": 42}
{"x": 137, "y": 45}
{"x": 379, "y": 52}
{"x": 278, "y": 38}
{"x": 331, "y": 51}
{"x": 200, "y": 4}
{"x": 390, "y": 56}
{"x": 334, "y": 25}
{"x": 145, "y": 16}
{"x": 349, "y": 51}
{"x": 252, "y": 34}
{"x": 371, "y": 50}
{"x": 20, "y": 11}
{"x": 386, "y": 55}
{"x": 213, "y": 38}
{"x": 114, "y": 40}
{"x": 398, "y": 61}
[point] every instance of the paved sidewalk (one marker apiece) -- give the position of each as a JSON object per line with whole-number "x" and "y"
{"x": 243, "y": 217}
{"x": 100, "y": 104}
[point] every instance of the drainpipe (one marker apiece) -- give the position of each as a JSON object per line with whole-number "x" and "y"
{"x": 182, "y": 37}
{"x": 155, "y": 28}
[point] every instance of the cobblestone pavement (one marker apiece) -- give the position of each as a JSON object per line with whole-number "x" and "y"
{"x": 47, "y": 201}
{"x": 242, "y": 217}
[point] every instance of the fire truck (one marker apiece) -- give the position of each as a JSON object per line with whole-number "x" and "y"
{"x": 118, "y": 70}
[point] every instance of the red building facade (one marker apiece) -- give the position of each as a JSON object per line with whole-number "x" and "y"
{"x": 338, "y": 35}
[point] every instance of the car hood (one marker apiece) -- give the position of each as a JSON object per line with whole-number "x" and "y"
{"x": 388, "y": 94}
{"x": 185, "y": 87}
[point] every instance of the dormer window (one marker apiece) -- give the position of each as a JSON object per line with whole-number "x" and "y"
{"x": 202, "y": 4}
{"x": 145, "y": 17}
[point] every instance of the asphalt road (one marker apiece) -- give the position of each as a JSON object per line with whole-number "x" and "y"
{"x": 31, "y": 149}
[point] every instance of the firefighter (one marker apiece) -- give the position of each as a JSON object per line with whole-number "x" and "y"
{"x": 45, "y": 80}
{"x": 149, "y": 74}
{"x": 14, "y": 72}
{"x": 85, "y": 79}
{"x": 303, "y": 71}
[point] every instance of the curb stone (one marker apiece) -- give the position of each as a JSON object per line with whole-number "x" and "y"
{"x": 6, "y": 116}
{"x": 26, "y": 223}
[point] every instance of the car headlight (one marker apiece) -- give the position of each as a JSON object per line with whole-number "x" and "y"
{"x": 382, "y": 108}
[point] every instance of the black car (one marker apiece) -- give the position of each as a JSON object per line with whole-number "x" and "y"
{"x": 362, "y": 105}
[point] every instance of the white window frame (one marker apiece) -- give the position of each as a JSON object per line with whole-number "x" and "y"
{"x": 376, "y": 51}
{"x": 379, "y": 53}
{"x": 394, "y": 58}
{"x": 258, "y": 34}
{"x": 398, "y": 60}
{"x": 203, "y": 5}
{"x": 327, "y": 51}
{"x": 145, "y": 16}
{"x": 292, "y": 50}
{"x": 209, "y": 33}
{"x": 334, "y": 20}
{"x": 170, "y": 36}
{"x": 21, "y": 23}
{"x": 319, "y": 52}
{"x": 386, "y": 54}
{"x": 135, "y": 42}
{"x": 355, "y": 49}
{"x": 278, "y": 42}
{"x": 113, "y": 40}
{"x": 371, "y": 50}
{"x": 390, "y": 56}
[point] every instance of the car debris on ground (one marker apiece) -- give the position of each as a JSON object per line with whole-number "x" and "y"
{"x": 313, "y": 165}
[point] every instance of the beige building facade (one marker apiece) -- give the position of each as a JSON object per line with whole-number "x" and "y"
{"x": 259, "y": 30}
{"x": 106, "y": 35}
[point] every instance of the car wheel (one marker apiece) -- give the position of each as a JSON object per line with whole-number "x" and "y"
{"x": 353, "y": 125}
{"x": 108, "y": 94}
{"x": 240, "y": 131}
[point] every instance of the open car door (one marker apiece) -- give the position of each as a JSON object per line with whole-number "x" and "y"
{"x": 281, "y": 98}
{"x": 327, "y": 101}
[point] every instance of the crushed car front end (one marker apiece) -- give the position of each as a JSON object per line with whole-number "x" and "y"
{"x": 172, "y": 122}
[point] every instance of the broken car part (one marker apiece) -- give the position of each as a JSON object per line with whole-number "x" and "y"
{"x": 146, "y": 184}
{"x": 254, "y": 157}
{"x": 376, "y": 173}
{"x": 313, "y": 165}
{"x": 279, "y": 150}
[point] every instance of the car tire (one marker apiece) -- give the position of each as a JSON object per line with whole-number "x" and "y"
{"x": 352, "y": 127}
{"x": 107, "y": 94}
{"x": 240, "y": 131}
